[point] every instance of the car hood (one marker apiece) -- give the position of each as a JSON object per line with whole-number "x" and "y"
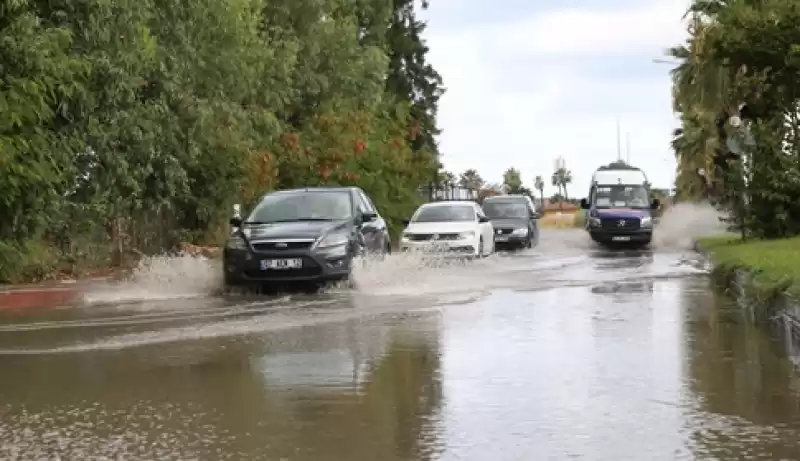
{"x": 293, "y": 230}
{"x": 440, "y": 227}
{"x": 621, "y": 213}
{"x": 509, "y": 222}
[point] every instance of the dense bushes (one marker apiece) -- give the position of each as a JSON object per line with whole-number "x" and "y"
{"x": 737, "y": 92}
{"x": 128, "y": 126}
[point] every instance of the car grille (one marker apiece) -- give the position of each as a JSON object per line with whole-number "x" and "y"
{"x": 503, "y": 231}
{"x": 310, "y": 269}
{"x": 424, "y": 237}
{"x": 281, "y": 246}
{"x": 621, "y": 224}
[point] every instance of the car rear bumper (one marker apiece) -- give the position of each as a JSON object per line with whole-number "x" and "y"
{"x": 442, "y": 247}
{"x": 243, "y": 267}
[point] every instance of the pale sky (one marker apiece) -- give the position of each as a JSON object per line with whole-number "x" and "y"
{"x": 528, "y": 81}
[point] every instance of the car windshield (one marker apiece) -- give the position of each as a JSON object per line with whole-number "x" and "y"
{"x": 303, "y": 206}
{"x": 444, "y": 214}
{"x": 621, "y": 197}
{"x": 495, "y": 209}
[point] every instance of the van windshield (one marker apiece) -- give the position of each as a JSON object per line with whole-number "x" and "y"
{"x": 618, "y": 196}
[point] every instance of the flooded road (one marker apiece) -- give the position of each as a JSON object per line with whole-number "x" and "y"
{"x": 561, "y": 352}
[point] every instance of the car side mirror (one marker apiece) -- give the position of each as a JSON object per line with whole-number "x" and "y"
{"x": 484, "y": 219}
{"x": 656, "y": 204}
{"x": 236, "y": 221}
{"x": 534, "y": 215}
{"x": 367, "y": 217}
{"x": 584, "y": 204}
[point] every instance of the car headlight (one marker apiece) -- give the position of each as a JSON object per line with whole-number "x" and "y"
{"x": 236, "y": 242}
{"x": 647, "y": 221}
{"x": 332, "y": 240}
{"x": 522, "y": 232}
{"x": 466, "y": 235}
{"x": 594, "y": 222}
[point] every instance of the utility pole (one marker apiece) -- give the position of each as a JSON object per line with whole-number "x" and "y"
{"x": 619, "y": 144}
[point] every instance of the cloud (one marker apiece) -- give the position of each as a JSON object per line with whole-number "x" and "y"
{"x": 525, "y": 86}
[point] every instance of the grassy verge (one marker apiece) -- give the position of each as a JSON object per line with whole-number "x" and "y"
{"x": 773, "y": 265}
{"x": 560, "y": 221}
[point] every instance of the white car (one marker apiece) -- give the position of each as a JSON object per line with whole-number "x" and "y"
{"x": 451, "y": 226}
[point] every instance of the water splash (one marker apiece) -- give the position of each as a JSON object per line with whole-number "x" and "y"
{"x": 163, "y": 278}
{"x": 411, "y": 273}
{"x": 684, "y": 222}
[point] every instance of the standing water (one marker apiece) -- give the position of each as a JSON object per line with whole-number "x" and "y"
{"x": 565, "y": 351}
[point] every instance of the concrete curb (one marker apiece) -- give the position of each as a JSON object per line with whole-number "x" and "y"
{"x": 25, "y": 299}
{"x": 44, "y": 296}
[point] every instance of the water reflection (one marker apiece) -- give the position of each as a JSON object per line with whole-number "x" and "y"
{"x": 220, "y": 399}
{"x": 746, "y": 389}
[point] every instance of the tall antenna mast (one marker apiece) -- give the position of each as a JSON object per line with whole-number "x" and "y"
{"x": 628, "y": 147}
{"x": 619, "y": 145}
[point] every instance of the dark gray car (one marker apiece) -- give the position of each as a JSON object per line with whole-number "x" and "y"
{"x": 514, "y": 219}
{"x": 303, "y": 235}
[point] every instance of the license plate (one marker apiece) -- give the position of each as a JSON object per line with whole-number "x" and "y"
{"x": 281, "y": 264}
{"x": 500, "y": 239}
{"x": 621, "y": 238}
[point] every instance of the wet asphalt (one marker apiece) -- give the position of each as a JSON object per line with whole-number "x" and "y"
{"x": 561, "y": 352}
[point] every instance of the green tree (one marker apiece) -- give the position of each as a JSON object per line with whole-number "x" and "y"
{"x": 446, "y": 178}
{"x": 512, "y": 180}
{"x": 560, "y": 179}
{"x": 471, "y": 179}
{"x": 412, "y": 78}
{"x": 138, "y": 123}
{"x": 739, "y": 54}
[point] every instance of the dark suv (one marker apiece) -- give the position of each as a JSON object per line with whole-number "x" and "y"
{"x": 514, "y": 219}
{"x": 303, "y": 235}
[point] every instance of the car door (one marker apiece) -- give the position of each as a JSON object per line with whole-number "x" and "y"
{"x": 373, "y": 232}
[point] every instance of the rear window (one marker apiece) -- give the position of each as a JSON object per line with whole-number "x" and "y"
{"x": 506, "y": 208}
{"x": 445, "y": 214}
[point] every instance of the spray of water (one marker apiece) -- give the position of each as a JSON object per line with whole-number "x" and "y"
{"x": 162, "y": 278}
{"x": 184, "y": 277}
{"x": 684, "y": 222}
{"x": 411, "y": 273}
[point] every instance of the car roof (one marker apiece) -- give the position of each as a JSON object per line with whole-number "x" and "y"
{"x": 449, "y": 203}
{"x": 508, "y": 198}
{"x": 316, "y": 189}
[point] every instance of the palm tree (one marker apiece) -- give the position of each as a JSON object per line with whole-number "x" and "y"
{"x": 470, "y": 179}
{"x": 446, "y": 178}
{"x": 565, "y": 177}
{"x": 701, "y": 92}
{"x": 555, "y": 180}
{"x": 538, "y": 184}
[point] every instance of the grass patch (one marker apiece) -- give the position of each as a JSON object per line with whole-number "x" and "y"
{"x": 579, "y": 219}
{"x": 773, "y": 265}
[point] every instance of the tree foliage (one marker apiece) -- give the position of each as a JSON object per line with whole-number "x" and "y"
{"x": 736, "y": 91}
{"x": 560, "y": 178}
{"x": 129, "y": 126}
{"x": 471, "y": 180}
